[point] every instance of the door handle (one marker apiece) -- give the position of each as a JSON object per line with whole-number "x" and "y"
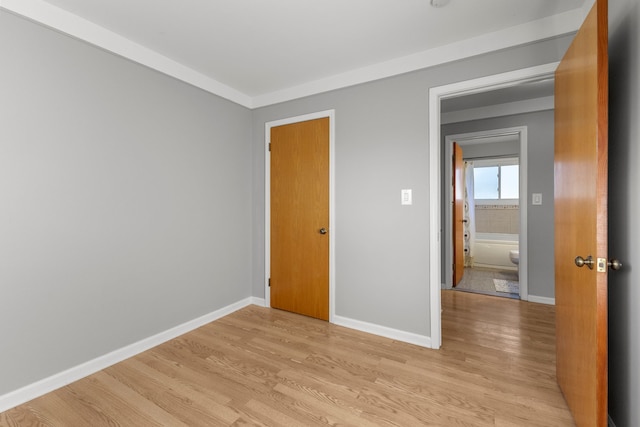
{"x": 581, "y": 262}
{"x": 323, "y": 231}
{"x": 614, "y": 264}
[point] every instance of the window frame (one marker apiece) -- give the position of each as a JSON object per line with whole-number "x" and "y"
{"x": 497, "y": 162}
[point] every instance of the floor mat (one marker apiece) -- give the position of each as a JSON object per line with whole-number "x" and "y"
{"x": 506, "y": 286}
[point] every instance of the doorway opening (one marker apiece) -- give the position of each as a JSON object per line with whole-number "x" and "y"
{"x": 494, "y": 229}
{"x": 436, "y": 173}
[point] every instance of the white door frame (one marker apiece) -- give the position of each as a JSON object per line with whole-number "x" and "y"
{"x": 267, "y": 202}
{"x": 436, "y": 94}
{"x": 474, "y": 138}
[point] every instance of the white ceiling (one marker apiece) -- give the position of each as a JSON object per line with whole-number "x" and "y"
{"x": 257, "y": 52}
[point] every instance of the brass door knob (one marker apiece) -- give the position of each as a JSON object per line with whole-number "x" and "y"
{"x": 614, "y": 264}
{"x": 581, "y": 262}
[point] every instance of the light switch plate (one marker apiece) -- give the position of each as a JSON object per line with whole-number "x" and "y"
{"x": 406, "y": 197}
{"x": 536, "y": 198}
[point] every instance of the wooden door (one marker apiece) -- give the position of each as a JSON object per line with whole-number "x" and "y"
{"x": 300, "y": 218}
{"x": 581, "y": 121}
{"x": 458, "y": 214}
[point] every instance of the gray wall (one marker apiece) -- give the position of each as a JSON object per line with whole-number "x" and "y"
{"x": 125, "y": 202}
{"x": 540, "y": 229}
{"x": 507, "y": 148}
{"x": 624, "y": 211}
{"x": 382, "y": 147}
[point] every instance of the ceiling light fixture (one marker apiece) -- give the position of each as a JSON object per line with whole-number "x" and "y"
{"x": 439, "y": 3}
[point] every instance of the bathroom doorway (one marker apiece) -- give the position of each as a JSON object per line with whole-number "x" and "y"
{"x": 495, "y": 212}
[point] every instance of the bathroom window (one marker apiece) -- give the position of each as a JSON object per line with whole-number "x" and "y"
{"x": 496, "y": 179}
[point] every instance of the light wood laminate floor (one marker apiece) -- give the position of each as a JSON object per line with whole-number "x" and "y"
{"x": 260, "y": 366}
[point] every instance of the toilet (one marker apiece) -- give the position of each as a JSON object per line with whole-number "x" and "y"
{"x": 514, "y": 256}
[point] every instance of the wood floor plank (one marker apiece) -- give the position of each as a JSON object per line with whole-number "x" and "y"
{"x": 260, "y": 366}
{"x": 57, "y": 411}
{"x": 191, "y": 407}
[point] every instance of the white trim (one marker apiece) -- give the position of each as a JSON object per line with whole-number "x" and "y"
{"x": 435, "y": 227}
{"x": 507, "y": 109}
{"x": 75, "y": 26}
{"x": 82, "y": 29}
{"x": 474, "y": 138}
{"x": 553, "y": 26}
{"x": 61, "y": 379}
{"x": 383, "y": 331}
{"x": 332, "y": 205}
{"x": 258, "y": 301}
{"x": 435, "y": 95}
{"x": 542, "y": 300}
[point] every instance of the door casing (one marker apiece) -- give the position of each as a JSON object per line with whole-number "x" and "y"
{"x": 436, "y": 94}
{"x": 267, "y": 202}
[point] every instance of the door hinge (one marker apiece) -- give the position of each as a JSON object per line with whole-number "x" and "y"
{"x": 269, "y": 281}
{"x": 269, "y": 146}
{"x": 453, "y": 266}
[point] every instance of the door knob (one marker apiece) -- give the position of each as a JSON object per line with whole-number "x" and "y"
{"x": 323, "y": 231}
{"x": 614, "y": 264}
{"x": 581, "y": 262}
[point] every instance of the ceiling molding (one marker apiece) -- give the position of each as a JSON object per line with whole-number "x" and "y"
{"x": 75, "y": 26}
{"x": 80, "y": 28}
{"x": 557, "y": 25}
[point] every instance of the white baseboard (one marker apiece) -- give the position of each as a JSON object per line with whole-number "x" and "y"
{"x": 541, "y": 300}
{"x": 46, "y": 385}
{"x": 261, "y": 302}
{"x": 383, "y": 331}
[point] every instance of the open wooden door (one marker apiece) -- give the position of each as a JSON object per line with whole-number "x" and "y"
{"x": 581, "y": 120}
{"x": 458, "y": 214}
